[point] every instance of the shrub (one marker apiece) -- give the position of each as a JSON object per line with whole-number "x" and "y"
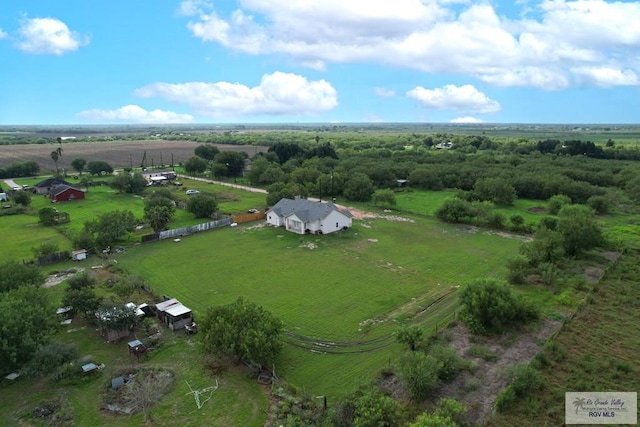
{"x": 419, "y": 373}
{"x": 524, "y": 380}
{"x": 505, "y": 399}
{"x": 557, "y": 202}
{"x": 489, "y": 306}
{"x": 48, "y": 357}
{"x": 450, "y": 362}
{"x": 600, "y": 204}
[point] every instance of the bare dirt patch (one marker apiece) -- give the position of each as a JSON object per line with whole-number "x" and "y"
{"x": 57, "y": 278}
{"x": 478, "y": 390}
{"x": 118, "y": 153}
{"x": 537, "y": 210}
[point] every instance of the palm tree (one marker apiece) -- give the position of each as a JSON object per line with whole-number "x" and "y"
{"x": 579, "y": 402}
{"x": 55, "y": 155}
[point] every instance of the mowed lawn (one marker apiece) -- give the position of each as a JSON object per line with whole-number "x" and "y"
{"x": 326, "y": 287}
{"x": 21, "y": 233}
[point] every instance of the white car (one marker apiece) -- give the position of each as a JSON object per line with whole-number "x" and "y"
{"x": 190, "y": 192}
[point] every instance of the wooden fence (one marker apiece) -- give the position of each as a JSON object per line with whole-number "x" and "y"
{"x": 239, "y": 219}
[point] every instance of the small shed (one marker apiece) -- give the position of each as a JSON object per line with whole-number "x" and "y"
{"x": 65, "y": 193}
{"x": 173, "y": 314}
{"x": 79, "y": 255}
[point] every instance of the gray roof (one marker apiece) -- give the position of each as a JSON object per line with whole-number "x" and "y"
{"x": 51, "y": 182}
{"x": 305, "y": 209}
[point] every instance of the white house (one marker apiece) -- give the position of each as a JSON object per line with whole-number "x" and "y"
{"x": 306, "y": 217}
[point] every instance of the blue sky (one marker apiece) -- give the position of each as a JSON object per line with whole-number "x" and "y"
{"x": 285, "y": 61}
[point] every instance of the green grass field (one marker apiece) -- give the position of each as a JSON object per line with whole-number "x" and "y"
{"x": 21, "y": 233}
{"x": 325, "y": 287}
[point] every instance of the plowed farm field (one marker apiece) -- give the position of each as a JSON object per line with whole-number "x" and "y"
{"x": 118, "y": 153}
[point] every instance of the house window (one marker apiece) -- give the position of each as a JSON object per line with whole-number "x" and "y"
{"x": 337, "y": 225}
{"x": 296, "y": 225}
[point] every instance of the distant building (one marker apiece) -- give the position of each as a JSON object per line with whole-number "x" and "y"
{"x": 65, "y": 193}
{"x": 45, "y": 186}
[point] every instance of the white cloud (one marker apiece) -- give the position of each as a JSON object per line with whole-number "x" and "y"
{"x": 466, "y": 119}
{"x": 3, "y": 34}
{"x": 48, "y": 36}
{"x": 134, "y": 114}
{"x": 606, "y": 76}
{"x": 384, "y": 92}
{"x": 278, "y": 93}
{"x": 459, "y": 98}
{"x": 436, "y": 36}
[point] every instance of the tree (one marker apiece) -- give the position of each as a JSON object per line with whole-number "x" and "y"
{"x": 195, "y": 165}
{"x": 129, "y": 183}
{"x": 159, "y": 210}
{"x": 358, "y": 188}
{"x": 206, "y": 151}
{"x": 148, "y": 388}
{"x": 23, "y": 330}
{"x": 367, "y": 406}
{"x": 580, "y": 232}
{"x": 98, "y": 167}
{"x": 15, "y": 274}
{"x": 243, "y": 330}
{"x": 233, "y": 160}
{"x": 410, "y": 336}
{"x": 47, "y": 216}
{"x": 44, "y": 248}
{"x": 546, "y": 247}
{"x": 557, "y": 202}
{"x": 116, "y": 316}
{"x": 81, "y": 300}
{"x": 55, "y": 156}
{"x": 456, "y": 210}
{"x": 78, "y": 165}
{"x": 110, "y": 227}
{"x": 489, "y": 306}
{"x": 22, "y": 198}
{"x": 384, "y": 197}
{"x": 496, "y": 190}
{"x": 202, "y": 206}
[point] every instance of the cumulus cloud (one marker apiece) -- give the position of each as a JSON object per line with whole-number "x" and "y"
{"x": 464, "y": 98}
{"x": 466, "y": 119}
{"x": 545, "y": 46}
{"x": 48, "y": 36}
{"x": 385, "y": 93}
{"x": 134, "y": 114}
{"x": 3, "y": 34}
{"x": 277, "y": 94}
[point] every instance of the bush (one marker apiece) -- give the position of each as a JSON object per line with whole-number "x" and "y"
{"x": 82, "y": 280}
{"x": 600, "y": 204}
{"x": 557, "y": 202}
{"x": 450, "y": 362}
{"x": 505, "y": 399}
{"x": 524, "y": 380}
{"x": 22, "y": 198}
{"x": 47, "y": 358}
{"x": 489, "y": 306}
{"x": 420, "y": 374}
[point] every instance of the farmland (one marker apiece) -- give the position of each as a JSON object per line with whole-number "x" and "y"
{"x": 118, "y": 154}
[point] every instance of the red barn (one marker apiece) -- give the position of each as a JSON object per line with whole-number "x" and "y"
{"x": 65, "y": 193}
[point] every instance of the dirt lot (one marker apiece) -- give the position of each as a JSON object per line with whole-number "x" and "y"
{"x": 118, "y": 154}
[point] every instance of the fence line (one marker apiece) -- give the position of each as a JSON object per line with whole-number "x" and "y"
{"x": 185, "y": 231}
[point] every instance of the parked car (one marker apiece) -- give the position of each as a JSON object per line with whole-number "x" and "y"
{"x": 178, "y": 183}
{"x": 190, "y": 192}
{"x": 253, "y": 211}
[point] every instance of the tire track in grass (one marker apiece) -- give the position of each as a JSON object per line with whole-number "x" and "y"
{"x": 320, "y": 346}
